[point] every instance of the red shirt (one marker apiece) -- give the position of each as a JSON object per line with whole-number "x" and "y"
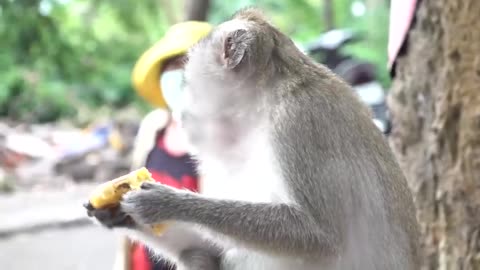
{"x": 175, "y": 171}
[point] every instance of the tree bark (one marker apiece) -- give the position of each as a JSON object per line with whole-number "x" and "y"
{"x": 196, "y": 10}
{"x": 435, "y": 106}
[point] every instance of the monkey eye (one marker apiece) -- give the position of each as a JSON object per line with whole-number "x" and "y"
{"x": 228, "y": 46}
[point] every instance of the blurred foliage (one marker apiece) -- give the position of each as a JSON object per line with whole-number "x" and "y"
{"x": 374, "y": 25}
{"x": 59, "y": 56}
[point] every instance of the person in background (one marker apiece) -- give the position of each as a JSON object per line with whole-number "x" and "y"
{"x": 402, "y": 16}
{"x": 160, "y": 145}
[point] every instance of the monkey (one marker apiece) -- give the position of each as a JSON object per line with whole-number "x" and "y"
{"x": 296, "y": 175}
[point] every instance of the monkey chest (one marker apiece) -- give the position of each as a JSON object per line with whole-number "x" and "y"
{"x": 240, "y": 259}
{"x": 257, "y": 180}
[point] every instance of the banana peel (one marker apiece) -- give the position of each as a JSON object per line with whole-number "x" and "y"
{"x": 109, "y": 194}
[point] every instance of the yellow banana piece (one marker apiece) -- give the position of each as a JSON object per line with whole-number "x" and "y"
{"x": 110, "y": 193}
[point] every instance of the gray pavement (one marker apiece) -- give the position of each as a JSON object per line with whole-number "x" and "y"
{"x": 79, "y": 248}
{"x": 50, "y": 231}
{"x": 25, "y": 210}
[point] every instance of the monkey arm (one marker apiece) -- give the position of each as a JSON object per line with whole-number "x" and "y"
{"x": 268, "y": 226}
{"x": 275, "y": 227}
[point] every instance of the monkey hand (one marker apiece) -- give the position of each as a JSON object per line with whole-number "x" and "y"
{"x": 153, "y": 203}
{"x": 110, "y": 217}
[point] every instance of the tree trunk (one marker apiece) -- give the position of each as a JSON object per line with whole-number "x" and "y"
{"x": 196, "y": 10}
{"x": 435, "y": 105}
{"x": 328, "y": 14}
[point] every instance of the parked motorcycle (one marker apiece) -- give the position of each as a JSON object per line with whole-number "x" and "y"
{"x": 326, "y": 49}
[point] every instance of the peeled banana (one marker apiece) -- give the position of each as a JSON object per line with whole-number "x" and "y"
{"x": 110, "y": 193}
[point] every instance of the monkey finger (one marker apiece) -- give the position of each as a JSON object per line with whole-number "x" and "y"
{"x": 88, "y": 206}
{"x": 153, "y": 188}
{"x": 148, "y": 185}
{"x": 119, "y": 221}
{"x": 110, "y": 217}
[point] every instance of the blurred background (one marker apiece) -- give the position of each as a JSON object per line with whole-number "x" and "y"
{"x": 69, "y": 114}
{"x": 68, "y": 59}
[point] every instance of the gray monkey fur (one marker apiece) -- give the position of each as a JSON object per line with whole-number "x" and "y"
{"x": 339, "y": 199}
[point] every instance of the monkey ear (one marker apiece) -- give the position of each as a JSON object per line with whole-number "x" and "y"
{"x": 234, "y": 48}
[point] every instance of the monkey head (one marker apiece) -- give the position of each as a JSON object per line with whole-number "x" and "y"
{"x": 226, "y": 74}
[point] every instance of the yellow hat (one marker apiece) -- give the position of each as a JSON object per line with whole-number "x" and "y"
{"x": 178, "y": 39}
